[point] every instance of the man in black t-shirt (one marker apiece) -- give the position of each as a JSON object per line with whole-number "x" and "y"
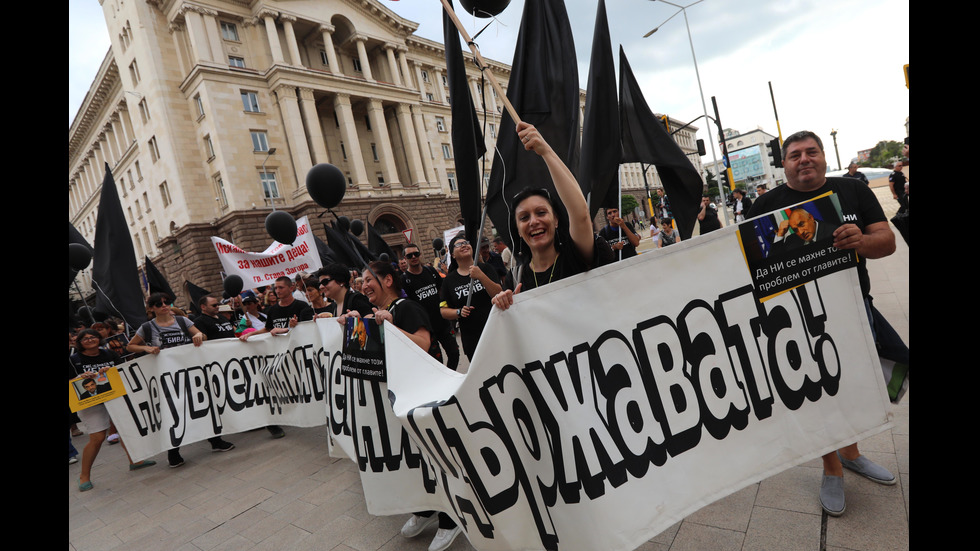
{"x": 708, "y": 216}
{"x": 210, "y": 322}
{"x": 866, "y": 231}
{"x": 620, "y": 234}
{"x": 422, "y": 284}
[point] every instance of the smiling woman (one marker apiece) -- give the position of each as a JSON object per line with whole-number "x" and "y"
{"x": 558, "y": 248}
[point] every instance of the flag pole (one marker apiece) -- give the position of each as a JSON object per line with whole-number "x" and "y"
{"x": 483, "y": 65}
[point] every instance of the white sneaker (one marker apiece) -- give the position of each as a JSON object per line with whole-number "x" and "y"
{"x": 444, "y": 538}
{"x": 416, "y": 525}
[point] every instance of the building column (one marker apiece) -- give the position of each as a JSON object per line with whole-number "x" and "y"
{"x": 308, "y": 105}
{"x": 403, "y": 63}
{"x": 125, "y": 124}
{"x": 120, "y": 140}
{"x": 423, "y": 143}
{"x": 272, "y": 34}
{"x": 327, "y": 31}
{"x": 292, "y": 120}
{"x": 348, "y": 131}
{"x": 100, "y": 162}
{"x": 376, "y": 112}
{"x": 109, "y": 145}
{"x": 210, "y": 20}
{"x": 477, "y": 101}
{"x": 493, "y": 100}
{"x": 287, "y": 23}
{"x": 363, "y": 57}
{"x": 200, "y": 46}
{"x": 392, "y": 65}
{"x": 418, "y": 78}
{"x": 416, "y": 172}
{"x": 437, "y": 84}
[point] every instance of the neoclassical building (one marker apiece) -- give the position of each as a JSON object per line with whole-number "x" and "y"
{"x": 210, "y": 113}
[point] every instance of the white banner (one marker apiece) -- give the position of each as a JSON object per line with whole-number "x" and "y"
{"x": 602, "y": 409}
{"x": 257, "y": 269}
{"x": 188, "y": 394}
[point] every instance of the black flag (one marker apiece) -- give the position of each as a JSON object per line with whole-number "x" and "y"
{"x": 645, "y": 140}
{"x": 114, "y": 266}
{"x": 378, "y": 245}
{"x": 468, "y": 144}
{"x": 544, "y": 91}
{"x": 601, "y": 145}
{"x": 194, "y": 294}
{"x": 341, "y": 248}
{"x": 156, "y": 281}
{"x": 327, "y": 256}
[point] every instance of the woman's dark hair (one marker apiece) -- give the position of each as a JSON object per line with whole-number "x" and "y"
{"x": 157, "y": 298}
{"x": 382, "y": 269}
{"x": 556, "y": 207}
{"x": 85, "y": 332}
{"x": 336, "y": 272}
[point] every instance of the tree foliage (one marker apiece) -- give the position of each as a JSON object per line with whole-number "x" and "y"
{"x": 629, "y": 204}
{"x": 884, "y": 154}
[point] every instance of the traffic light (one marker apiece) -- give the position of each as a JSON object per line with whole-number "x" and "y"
{"x": 701, "y": 150}
{"x": 775, "y": 152}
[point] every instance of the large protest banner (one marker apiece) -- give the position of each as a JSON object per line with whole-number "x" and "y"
{"x": 257, "y": 269}
{"x": 188, "y": 394}
{"x": 602, "y": 409}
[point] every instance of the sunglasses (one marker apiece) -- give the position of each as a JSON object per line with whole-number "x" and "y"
{"x": 460, "y": 243}
{"x": 325, "y": 281}
{"x": 413, "y": 255}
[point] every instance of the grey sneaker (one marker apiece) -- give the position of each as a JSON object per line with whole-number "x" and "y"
{"x": 444, "y": 538}
{"x": 868, "y": 469}
{"x": 416, "y": 525}
{"x": 832, "y": 495}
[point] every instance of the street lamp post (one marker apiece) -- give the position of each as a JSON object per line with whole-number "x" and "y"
{"x": 270, "y": 153}
{"x": 833, "y": 134}
{"x": 704, "y": 105}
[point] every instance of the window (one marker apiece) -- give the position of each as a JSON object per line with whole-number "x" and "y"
{"x": 493, "y": 130}
{"x": 381, "y": 178}
{"x": 209, "y": 147}
{"x": 165, "y": 194}
{"x": 153, "y": 232}
{"x": 429, "y": 97}
{"x": 236, "y": 62}
{"x": 452, "y": 181}
{"x": 139, "y": 174}
{"x": 139, "y": 213}
{"x": 154, "y": 150}
{"x": 139, "y": 246}
{"x": 374, "y": 152}
{"x": 350, "y": 181}
{"x": 367, "y": 122}
{"x": 357, "y": 64}
{"x": 425, "y": 76}
{"x": 445, "y": 82}
{"x": 336, "y": 121}
{"x": 146, "y": 202}
{"x": 250, "y": 102}
{"x": 122, "y": 186}
{"x": 447, "y": 151}
{"x": 130, "y": 174}
{"x": 130, "y": 211}
{"x": 144, "y": 110}
{"x": 200, "y": 105}
{"x": 323, "y": 58}
{"x": 270, "y": 189}
{"x": 343, "y": 150}
{"x": 441, "y": 124}
{"x": 219, "y": 191}
{"x": 260, "y": 141}
{"x": 134, "y": 72}
{"x": 229, "y": 31}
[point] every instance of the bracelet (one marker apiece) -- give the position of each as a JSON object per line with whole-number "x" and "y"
{"x": 459, "y": 313}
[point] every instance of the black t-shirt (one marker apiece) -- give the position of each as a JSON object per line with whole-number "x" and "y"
{"x": 215, "y": 328}
{"x": 611, "y": 234}
{"x": 568, "y": 263}
{"x": 409, "y": 316}
{"x": 857, "y": 202}
{"x": 455, "y": 289}
{"x": 424, "y": 288}
{"x": 79, "y": 363}
{"x": 279, "y": 316}
{"x": 710, "y": 222}
{"x": 353, "y": 301}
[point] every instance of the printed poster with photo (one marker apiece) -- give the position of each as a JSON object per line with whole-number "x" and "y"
{"x": 84, "y": 393}
{"x": 364, "y": 350}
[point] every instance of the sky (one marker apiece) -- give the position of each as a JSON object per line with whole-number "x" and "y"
{"x": 833, "y": 64}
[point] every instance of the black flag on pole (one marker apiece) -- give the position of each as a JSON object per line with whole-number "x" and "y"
{"x": 156, "y": 282}
{"x": 601, "y": 144}
{"x": 114, "y": 266}
{"x": 645, "y": 140}
{"x": 544, "y": 91}
{"x": 378, "y": 245}
{"x": 468, "y": 144}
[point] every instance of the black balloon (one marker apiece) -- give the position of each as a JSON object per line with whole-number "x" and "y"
{"x": 356, "y": 226}
{"x": 437, "y": 243}
{"x": 484, "y": 8}
{"x": 233, "y": 285}
{"x": 343, "y": 224}
{"x": 79, "y": 256}
{"x": 281, "y": 226}
{"x": 326, "y": 184}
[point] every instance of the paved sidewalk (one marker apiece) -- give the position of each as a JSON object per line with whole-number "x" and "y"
{"x": 287, "y": 494}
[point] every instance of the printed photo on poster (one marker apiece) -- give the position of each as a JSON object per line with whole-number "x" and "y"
{"x": 364, "y": 350}
{"x": 789, "y": 247}
{"x": 86, "y": 392}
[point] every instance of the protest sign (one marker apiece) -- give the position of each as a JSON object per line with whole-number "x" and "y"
{"x": 87, "y": 392}
{"x": 593, "y": 420}
{"x": 187, "y": 394}
{"x": 257, "y": 269}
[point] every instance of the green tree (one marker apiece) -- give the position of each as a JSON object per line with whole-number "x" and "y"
{"x": 884, "y": 154}
{"x": 629, "y": 205}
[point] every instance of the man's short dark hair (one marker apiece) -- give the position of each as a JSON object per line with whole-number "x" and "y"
{"x": 412, "y": 246}
{"x": 499, "y": 239}
{"x": 204, "y": 300}
{"x": 287, "y": 279}
{"x": 799, "y": 137}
